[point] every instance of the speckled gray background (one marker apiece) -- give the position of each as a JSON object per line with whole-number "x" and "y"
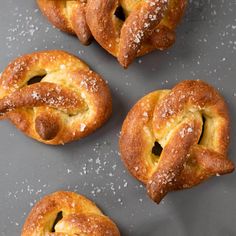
{"x": 205, "y": 49}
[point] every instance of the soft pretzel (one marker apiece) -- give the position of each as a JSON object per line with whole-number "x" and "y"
{"x": 78, "y": 216}
{"x": 68, "y": 16}
{"x": 147, "y": 25}
{"x": 191, "y": 123}
{"x": 70, "y": 101}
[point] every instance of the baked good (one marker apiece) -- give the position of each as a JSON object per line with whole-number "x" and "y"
{"x": 68, "y": 16}
{"x": 130, "y": 28}
{"x": 175, "y": 139}
{"x": 66, "y": 102}
{"x": 125, "y": 28}
{"x": 67, "y": 213}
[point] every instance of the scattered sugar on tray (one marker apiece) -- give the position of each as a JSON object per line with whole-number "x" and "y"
{"x": 128, "y": 84}
{"x": 23, "y": 29}
{"x": 81, "y": 52}
{"x": 104, "y": 168}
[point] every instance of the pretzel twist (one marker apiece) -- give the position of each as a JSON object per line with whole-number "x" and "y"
{"x": 148, "y": 25}
{"x": 79, "y": 216}
{"x": 70, "y": 102}
{"x": 68, "y": 16}
{"x": 191, "y": 123}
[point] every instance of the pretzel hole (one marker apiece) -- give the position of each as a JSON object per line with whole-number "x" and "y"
{"x": 157, "y": 149}
{"x": 58, "y": 218}
{"x": 203, "y": 129}
{"x": 35, "y": 79}
{"x": 119, "y": 13}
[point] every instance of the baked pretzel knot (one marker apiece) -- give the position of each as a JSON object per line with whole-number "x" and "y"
{"x": 67, "y": 214}
{"x": 69, "y": 102}
{"x": 68, "y": 16}
{"x": 131, "y": 28}
{"x": 191, "y": 124}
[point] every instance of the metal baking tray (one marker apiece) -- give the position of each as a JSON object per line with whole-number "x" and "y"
{"x": 205, "y": 49}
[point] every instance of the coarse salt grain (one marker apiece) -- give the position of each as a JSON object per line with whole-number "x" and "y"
{"x": 82, "y": 127}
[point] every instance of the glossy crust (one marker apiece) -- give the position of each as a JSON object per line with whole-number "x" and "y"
{"x": 148, "y": 25}
{"x": 69, "y": 103}
{"x": 80, "y": 216}
{"x": 68, "y": 16}
{"x": 191, "y": 123}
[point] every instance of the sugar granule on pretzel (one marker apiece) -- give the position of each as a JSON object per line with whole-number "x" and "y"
{"x": 176, "y": 139}
{"x": 130, "y": 28}
{"x": 68, "y": 102}
{"x": 67, "y": 213}
{"x": 68, "y": 16}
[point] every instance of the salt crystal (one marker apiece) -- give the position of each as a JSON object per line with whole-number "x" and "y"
{"x": 82, "y": 127}
{"x": 62, "y": 67}
{"x": 190, "y": 130}
{"x": 35, "y": 95}
{"x": 145, "y": 114}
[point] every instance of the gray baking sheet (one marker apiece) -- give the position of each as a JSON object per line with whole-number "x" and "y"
{"x": 205, "y": 49}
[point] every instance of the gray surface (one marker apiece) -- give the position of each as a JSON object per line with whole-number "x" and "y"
{"x": 205, "y": 49}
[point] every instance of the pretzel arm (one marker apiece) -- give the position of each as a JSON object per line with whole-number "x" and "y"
{"x": 212, "y": 161}
{"x": 42, "y": 94}
{"x": 172, "y": 161}
{"x": 138, "y": 27}
{"x": 77, "y": 16}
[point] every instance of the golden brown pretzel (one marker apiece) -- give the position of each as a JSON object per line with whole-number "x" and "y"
{"x": 68, "y": 16}
{"x": 148, "y": 25}
{"x": 191, "y": 123}
{"x": 70, "y": 102}
{"x": 79, "y": 216}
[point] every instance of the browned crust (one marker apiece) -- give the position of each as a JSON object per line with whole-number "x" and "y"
{"x": 149, "y": 25}
{"x": 138, "y": 27}
{"x": 77, "y": 99}
{"x": 194, "y": 96}
{"x": 137, "y": 138}
{"x": 104, "y": 27}
{"x": 79, "y": 24}
{"x": 68, "y": 16}
{"x": 174, "y": 119}
{"x": 80, "y": 216}
{"x": 172, "y": 160}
